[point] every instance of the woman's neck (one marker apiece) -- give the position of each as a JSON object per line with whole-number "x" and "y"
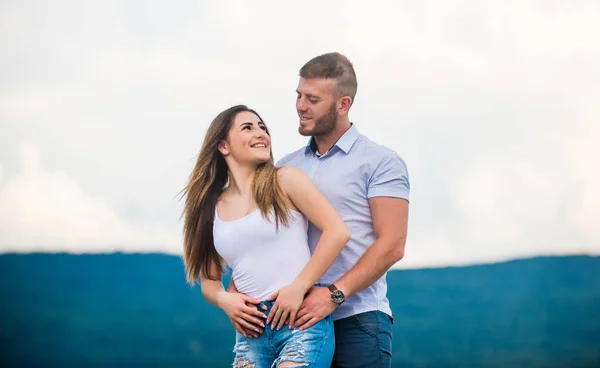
{"x": 241, "y": 179}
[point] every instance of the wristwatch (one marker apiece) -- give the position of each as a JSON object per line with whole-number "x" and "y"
{"x": 337, "y": 296}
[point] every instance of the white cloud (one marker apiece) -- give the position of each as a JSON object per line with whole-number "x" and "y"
{"x": 513, "y": 205}
{"x": 582, "y": 152}
{"x": 49, "y": 211}
{"x": 490, "y": 104}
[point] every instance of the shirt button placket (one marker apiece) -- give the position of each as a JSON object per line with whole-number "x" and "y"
{"x": 315, "y": 167}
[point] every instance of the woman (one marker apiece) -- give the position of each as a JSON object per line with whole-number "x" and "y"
{"x": 241, "y": 210}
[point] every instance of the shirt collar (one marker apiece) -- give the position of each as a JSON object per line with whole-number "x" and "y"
{"x": 345, "y": 142}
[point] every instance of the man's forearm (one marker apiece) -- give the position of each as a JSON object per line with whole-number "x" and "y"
{"x": 373, "y": 264}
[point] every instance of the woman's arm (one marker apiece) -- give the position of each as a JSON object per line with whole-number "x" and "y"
{"x": 305, "y": 196}
{"x": 242, "y": 316}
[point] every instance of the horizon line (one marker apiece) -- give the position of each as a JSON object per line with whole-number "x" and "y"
{"x": 424, "y": 267}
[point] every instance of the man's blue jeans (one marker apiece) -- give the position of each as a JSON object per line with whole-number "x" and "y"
{"x": 363, "y": 340}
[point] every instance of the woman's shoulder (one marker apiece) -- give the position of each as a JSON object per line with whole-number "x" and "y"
{"x": 294, "y": 181}
{"x": 290, "y": 175}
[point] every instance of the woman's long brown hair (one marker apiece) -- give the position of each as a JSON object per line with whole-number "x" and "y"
{"x": 206, "y": 183}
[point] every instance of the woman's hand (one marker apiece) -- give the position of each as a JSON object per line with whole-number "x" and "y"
{"x": 242, "y": 311}
{"x": 288, "y": 300}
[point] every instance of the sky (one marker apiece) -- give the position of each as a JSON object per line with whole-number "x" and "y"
{"x": 493, "y": 106}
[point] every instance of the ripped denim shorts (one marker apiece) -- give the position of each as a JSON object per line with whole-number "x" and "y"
{"x": 312, "y": 347}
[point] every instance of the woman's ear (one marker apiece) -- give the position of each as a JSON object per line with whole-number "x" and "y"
{"x": 223, "y": 148}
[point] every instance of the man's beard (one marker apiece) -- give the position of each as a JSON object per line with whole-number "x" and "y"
{"x": 323, "y": 125}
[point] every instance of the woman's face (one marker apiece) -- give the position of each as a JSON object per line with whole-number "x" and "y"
{"x": 247, "y": 141}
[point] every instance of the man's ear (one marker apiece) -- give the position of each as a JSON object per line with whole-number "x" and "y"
{"x": 223, "y": 148}
{"x": 344, "y": 104}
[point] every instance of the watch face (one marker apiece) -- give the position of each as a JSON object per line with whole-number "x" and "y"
{"x": 337, "y": 296}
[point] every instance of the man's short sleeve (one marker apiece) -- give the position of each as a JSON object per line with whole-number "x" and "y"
{"x": 390, "y": 178}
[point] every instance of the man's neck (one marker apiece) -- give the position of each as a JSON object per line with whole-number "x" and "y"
{"x": 325, "y": 142}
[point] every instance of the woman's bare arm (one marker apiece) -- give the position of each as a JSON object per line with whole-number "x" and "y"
{"x": 305, "y": 196}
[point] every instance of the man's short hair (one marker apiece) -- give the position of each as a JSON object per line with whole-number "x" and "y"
{"x": 333, "y": 66}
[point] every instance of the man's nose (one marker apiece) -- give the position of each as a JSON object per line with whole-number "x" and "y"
{"x": 300, "y": 104}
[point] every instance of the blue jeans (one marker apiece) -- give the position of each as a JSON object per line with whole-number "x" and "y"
{"x": 313, "y": 347}
{"x": 363, "y": 340}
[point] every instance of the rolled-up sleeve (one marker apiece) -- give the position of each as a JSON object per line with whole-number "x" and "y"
{"x": 390, "y": 178}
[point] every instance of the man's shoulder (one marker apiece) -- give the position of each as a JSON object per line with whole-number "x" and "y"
{"x": 387, "y": 171}
{"x": 291, "y": 158}
{"x": 372, "y": 151}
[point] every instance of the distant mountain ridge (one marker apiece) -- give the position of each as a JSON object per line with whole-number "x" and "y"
{"x": 135, "y": 310}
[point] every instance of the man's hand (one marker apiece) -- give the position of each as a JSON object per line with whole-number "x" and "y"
{"x": 316, "y": 305}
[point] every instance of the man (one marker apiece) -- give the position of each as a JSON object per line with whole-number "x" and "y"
{"x": 369, "y": 187}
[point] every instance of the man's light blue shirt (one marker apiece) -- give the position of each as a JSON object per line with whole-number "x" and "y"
{"x": 352, "y": 171}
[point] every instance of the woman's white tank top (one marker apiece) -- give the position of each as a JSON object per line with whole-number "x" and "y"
{"x": 262, "y": 259}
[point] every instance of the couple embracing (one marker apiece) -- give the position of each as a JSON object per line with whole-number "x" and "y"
{"x": 309, "y": 240}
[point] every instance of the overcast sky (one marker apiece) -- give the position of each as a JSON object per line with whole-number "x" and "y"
{"x": 493, "y": 105}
